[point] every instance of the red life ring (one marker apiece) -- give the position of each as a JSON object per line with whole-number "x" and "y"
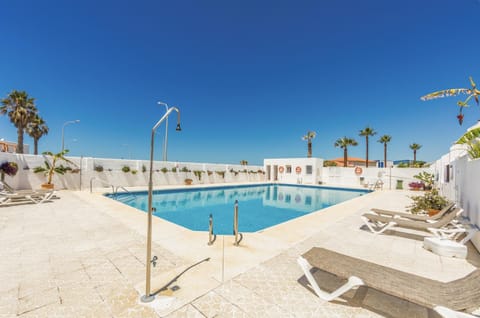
{"x": 298, "y": 170}
{"x": 358, "y": 170}
{"x": 281, "y": 169}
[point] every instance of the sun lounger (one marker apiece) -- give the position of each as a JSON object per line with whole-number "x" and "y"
{"x": 450, "y": 247}
{"x": 461, "y": 294}
{"x": 35, "y": 193}
{"x": 379, "y": 223}
{"x": 27, "y": 197}
{"x": 415, "y": 216}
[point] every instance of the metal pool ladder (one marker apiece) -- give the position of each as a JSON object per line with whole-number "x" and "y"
{"x": 235, "y": 226}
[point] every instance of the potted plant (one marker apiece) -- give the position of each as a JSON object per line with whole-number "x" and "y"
{"x": 431, "y": 202}
{"x": 8, "y": 168}
{"x": 425, "y": 178}
{"x": 98, "y": 168}
{"x": 50, "y": 166}
{"x": 416, "y": 186}
{"x": 188, "y": 181}
{"x": 198, "y": 173}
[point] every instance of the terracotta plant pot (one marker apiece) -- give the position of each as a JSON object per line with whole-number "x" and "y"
{"x": 432, "y": 212}
{"x": 48, "y": 186}
{"x": 188, "y": 181}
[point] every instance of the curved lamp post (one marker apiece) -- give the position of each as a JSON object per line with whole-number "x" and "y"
{"x": 165, "y": 141}
{"x": 148, "y": 297}
{"x": 63, "y": 130}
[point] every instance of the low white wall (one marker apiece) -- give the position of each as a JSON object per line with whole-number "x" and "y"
{"x": 341, "y": 176}
{"x": 112, "y": 173}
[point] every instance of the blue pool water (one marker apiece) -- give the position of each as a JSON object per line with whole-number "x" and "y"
{"x": 260, "y": 206}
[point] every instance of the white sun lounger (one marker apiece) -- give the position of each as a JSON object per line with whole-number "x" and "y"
{"x": 378, "y": 223}
{"x": 461, "y": 294}
{"x": 26, "y": 197}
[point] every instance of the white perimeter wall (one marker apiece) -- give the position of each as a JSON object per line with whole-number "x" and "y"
{"x": 113, "y": 175}
{"x": 458, "y": 178}
{"x": 340, "y": 176}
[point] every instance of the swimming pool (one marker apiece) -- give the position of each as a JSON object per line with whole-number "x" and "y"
{"x": 260, "y": 206}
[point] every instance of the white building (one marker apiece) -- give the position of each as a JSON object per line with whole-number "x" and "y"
{"x": 294, "y": 170}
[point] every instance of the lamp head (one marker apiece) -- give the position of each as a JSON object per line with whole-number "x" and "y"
{"x": 178, "y": 120}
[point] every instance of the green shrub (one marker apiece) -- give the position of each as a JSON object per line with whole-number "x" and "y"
{"x": 126, "y": 169}
{"x": 328, "y": 163}
{"x": 98, "y": 168}
{"x": 430, "y": 200}
{"x": 164, "y": 170}
{"x": 198, "y": 173}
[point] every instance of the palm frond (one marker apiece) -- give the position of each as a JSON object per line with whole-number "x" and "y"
{"x": 469, "y": 136}
{"x": 446, "y": 93}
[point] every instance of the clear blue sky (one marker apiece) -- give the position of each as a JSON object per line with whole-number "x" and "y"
{"x": 250, "y": 77}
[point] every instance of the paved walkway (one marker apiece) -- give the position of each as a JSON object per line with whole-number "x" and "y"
{"x": 84, "y": 256}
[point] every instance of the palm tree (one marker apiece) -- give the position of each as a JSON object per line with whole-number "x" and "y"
{"x": 21, "y": 110}
{"x": 36, "y": 129}
{"x": 385, "y": 139}
{"x": 365, "y": 133}
{"x": 50, "y": 166}
{"x": 471, "y": 92}
{"x": 344, "y": 143}
{"x": 415, "y": 147}
{"x": 309, "y": 136}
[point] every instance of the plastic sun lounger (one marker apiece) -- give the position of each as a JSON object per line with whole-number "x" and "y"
{"x": 7, "y": 189}
{"x": 379, "y": 223}
{"x": 27, "y": 197}
{"x": 444, "y": 297}
{"x": 414, "y": 216}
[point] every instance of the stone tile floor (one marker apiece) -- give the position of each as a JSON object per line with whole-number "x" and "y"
{"x": 72, "y": 258}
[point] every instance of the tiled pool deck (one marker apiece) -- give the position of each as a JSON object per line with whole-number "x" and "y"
{"x": 84, "y": 256}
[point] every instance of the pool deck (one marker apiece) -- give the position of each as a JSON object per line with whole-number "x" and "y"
{"x": 83, "y": 255}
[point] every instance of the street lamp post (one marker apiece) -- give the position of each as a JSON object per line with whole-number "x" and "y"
{"x": 148, "y": 297}
{"x": 63, "y": 130}
{"x": 165, "y": 140}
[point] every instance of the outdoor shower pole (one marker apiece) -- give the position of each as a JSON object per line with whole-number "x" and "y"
{"x": 148, "y": 297}
{"x": 165, "y": 140}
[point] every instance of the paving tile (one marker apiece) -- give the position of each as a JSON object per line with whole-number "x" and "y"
{"x": 8, "y": 303}
{"x": 213, "y": 305}
{"x": 187, "y": 311}
{"x": 79, "y": 293}
{"x": 249, "y": 301}
{"x": 121, "y": 299}
{"x": 38, "y": 300}
{"x": 32, "y": 284}
{"x": 138, "y": 311}
{"x": 71, "y": 277}
{"x": 69, "y": 311}
{"x": 103, "y": 273}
